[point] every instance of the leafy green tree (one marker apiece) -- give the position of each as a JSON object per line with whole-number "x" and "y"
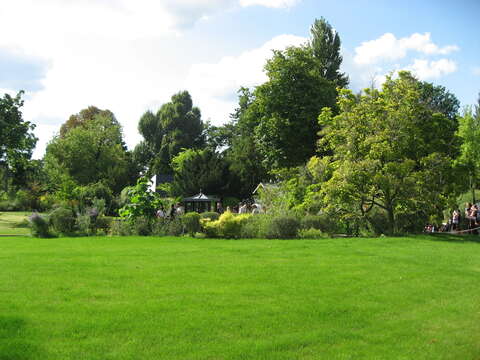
{"x": 326, "y": 43}
{"x": 275, "y": 125}
{"x": 477, "y": 107}
{"x": 219, "y": 138}
{"x": 196, "y": 170}
{"x": 87, "y": 154}
{"x": 16, "y": 138}
{"x": 469, "y": 133}
{"x": 84, "y": 117}
{"x": 142, "y": 203}
{"x": 440, "y": 100}
{"x": 247, "y": 167}
{"x": 175, "y": 126}
{"x": 288, "y": 105}
{"x": 391, "y": 152}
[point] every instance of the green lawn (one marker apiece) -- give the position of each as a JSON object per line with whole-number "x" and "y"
{"x": 173, "y": 298}
{"x": 11, "y": 223}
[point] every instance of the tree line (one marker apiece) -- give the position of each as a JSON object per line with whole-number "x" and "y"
{"x": 395, "y": 157}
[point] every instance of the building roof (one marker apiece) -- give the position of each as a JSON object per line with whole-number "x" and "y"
{"x": 264, "y": 186}
{"x": 201, "y": 197}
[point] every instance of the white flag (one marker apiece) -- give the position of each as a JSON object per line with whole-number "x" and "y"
{"x": 153, "y": 184}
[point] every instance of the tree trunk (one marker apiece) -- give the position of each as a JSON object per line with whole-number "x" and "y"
{"x": 5, "y": 177}
{"x": 472, "y": 188}
{"x": 391, "y": 220}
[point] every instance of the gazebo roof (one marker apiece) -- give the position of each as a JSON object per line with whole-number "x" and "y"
{"x": 201, "y": 197}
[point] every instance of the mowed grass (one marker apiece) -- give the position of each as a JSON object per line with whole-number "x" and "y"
{"x": 179, "y": 298}
{"x": 13, "y": 223}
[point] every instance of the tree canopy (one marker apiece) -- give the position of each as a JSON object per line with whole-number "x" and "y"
{"x": 196, "y": 170}
{"x": 175, "y": 126}
{"x": 90, "y": 153}
{"x": 84, "y": 117}
{"x": 287, "y": 106}
{"x": 469, "y": 133}
{"x": 17, "y": 140}
{"x": 391, "y": 152}
{"x": 325, "y": 43}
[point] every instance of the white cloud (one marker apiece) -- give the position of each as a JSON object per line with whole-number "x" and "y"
{"x": 44, "y": 133}
{"x": 388, "y": 48}
{"x": 214, "y": 85}
{"x": 425, "y": 69}
{"x": 270, "y": 3}
{"x": 126, "y": 56}
{"x": 476, "y": 71}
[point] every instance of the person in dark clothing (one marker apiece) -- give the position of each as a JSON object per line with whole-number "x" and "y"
{"x": 171, "y": 213}
{"x": 472, "y": 218}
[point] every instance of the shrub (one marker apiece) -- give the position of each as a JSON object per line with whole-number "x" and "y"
{"x": 83, "y": 224}
{"x": 210, "y": 228}
{"x": 160, "y": 227}
{"x": 174, "y": 227}
{"x": 141, "y": 226}
{"x": 121, "y": 227}
{"x": 7, "y": 205}
{"x": 104, "y": 223}
{"x": 16, "y": 201}
{"x": 39, "y": 226}
{"x": 282, "y": 227}
{"x": 210, "y": 215}
{"x": 227, "y": 226}
{"x": 191, "y": 223}
{"x": 250, "y": 228}
{"x": 312, "y": 222}
{"x": 90, "y": 222}
{"x": 62, "y": 220}
{"x": 47, "y": 202}
{"x": 255, "y": 226}
{"x": 89, "y": 195}
{"x": 143, "y": 203}
{"x": 311, "y": 234}
{"x": 324, "y": 222}
{"x": 24, "y": 200}
{"x": 231, "y": 225}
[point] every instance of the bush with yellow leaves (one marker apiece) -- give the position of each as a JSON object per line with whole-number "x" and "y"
{"x": 228, "y": 226}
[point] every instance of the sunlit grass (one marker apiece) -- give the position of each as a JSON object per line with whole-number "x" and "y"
{"x": 180, "y": 298}
{"x": 14, "y": 223}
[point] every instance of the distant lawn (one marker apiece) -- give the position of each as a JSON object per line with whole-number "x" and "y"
{"x": 174, "y": 298}
{"x": 11, "y": 223}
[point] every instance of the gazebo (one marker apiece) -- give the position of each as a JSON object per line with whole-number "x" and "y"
{"x": 200, "y": 203}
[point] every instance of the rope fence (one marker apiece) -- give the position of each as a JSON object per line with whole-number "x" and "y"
{"x": 463, "y": 231}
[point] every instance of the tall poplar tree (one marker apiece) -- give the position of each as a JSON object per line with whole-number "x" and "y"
{"x": 325, "y": 43}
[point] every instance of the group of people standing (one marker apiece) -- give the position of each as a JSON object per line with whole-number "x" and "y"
{"x": 174, "y": 211}
{"x": 178, "y": 209}
{"x": 473, "y": 217}
{"x": 471, "y": 221}
{"x": 247, "y": 208}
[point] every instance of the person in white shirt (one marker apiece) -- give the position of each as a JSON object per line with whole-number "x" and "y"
{"x": 180, "y": 210}
{"x": 243, "y": 209}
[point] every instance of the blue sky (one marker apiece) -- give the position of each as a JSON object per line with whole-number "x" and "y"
{"x": 131, "y": 56}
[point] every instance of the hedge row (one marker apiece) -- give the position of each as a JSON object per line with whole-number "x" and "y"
{"x": 63, "y": 221}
